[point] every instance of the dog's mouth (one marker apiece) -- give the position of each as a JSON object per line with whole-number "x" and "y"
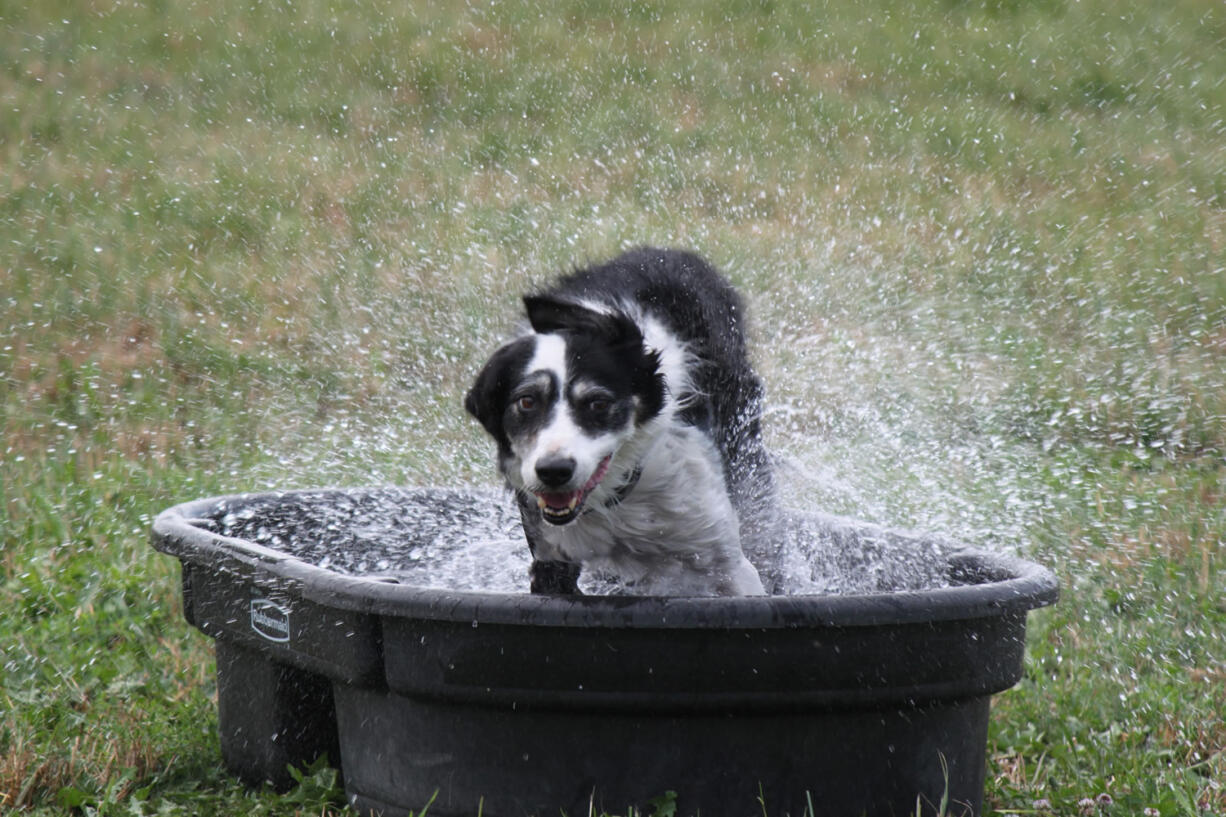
{"x": 560, "y": 508}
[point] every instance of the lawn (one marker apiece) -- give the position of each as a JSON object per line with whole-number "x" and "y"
{"x": 267, "y": 244}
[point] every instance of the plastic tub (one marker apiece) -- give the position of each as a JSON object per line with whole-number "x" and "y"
{"x": 514, "y": 704}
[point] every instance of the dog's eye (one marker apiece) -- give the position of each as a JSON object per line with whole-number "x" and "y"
{"x": 526, "y": 403}
{"x": 598, "y": 405}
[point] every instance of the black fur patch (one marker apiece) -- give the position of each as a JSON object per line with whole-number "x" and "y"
{"x": 489, "y": 397}
{"x": 605, "y": 360}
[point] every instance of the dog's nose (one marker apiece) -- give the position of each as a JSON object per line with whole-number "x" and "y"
{"x": 555, "y": 471}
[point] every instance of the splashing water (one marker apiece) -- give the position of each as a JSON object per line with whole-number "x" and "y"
{"x": 453, "y": 539}
{"x": 870, "y": 417}
{"x": 459, "y": 539}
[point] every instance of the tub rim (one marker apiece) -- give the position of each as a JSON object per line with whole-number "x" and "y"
{"x": 1007, "y": 585}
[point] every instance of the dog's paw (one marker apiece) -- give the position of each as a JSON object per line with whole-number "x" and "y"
{"x": 554, "y": 579}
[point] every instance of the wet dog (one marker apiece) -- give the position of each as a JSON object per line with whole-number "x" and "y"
{"x": 628, "y": 424}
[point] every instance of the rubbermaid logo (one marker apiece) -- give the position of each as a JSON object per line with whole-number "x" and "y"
{"x": 270, "y": 620}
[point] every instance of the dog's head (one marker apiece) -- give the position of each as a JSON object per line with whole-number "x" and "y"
{"x": 562, "y": 402}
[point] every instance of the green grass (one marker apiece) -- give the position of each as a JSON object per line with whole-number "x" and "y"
{"x": 266, "y": 244}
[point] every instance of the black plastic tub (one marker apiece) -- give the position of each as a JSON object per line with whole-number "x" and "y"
{"x": 509, "y": 704}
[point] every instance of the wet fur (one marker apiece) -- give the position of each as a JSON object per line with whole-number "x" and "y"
{"x": 635, "y": 377}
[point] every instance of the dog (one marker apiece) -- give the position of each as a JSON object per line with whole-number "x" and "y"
{"x": 628, "y": 425}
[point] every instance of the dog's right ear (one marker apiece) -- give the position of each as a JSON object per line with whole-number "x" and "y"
{"x": 490, "y": 392}
{"x": 549, "y": 314}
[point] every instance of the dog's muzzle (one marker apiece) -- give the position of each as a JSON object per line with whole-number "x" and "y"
{"x": 562, "y": 507}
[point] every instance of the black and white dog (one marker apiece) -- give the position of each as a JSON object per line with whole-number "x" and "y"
{"x": 628, "y": 425}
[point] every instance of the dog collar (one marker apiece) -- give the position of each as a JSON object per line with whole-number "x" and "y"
{"x": 625, "y": 488}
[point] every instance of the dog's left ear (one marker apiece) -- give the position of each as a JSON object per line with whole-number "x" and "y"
{"x": 487, "y": 399}
{"x": 547, "y": 314}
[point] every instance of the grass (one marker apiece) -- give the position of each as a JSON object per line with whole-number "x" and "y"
{"x": 258, "y": 244}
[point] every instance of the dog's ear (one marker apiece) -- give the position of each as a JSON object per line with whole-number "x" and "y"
{"x": 548, "y": 314}
{"x": 487, "y": 399}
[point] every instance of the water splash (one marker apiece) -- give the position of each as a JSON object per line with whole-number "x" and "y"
{"x": 882, "y": 415}
{"x": 462, "y": 539}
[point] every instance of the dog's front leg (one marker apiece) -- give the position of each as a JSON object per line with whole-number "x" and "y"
{"x": 554, "y": 578}
{"x": 549, "y": 577}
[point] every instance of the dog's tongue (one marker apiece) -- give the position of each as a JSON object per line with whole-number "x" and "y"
{"x": 560, "y": 501}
